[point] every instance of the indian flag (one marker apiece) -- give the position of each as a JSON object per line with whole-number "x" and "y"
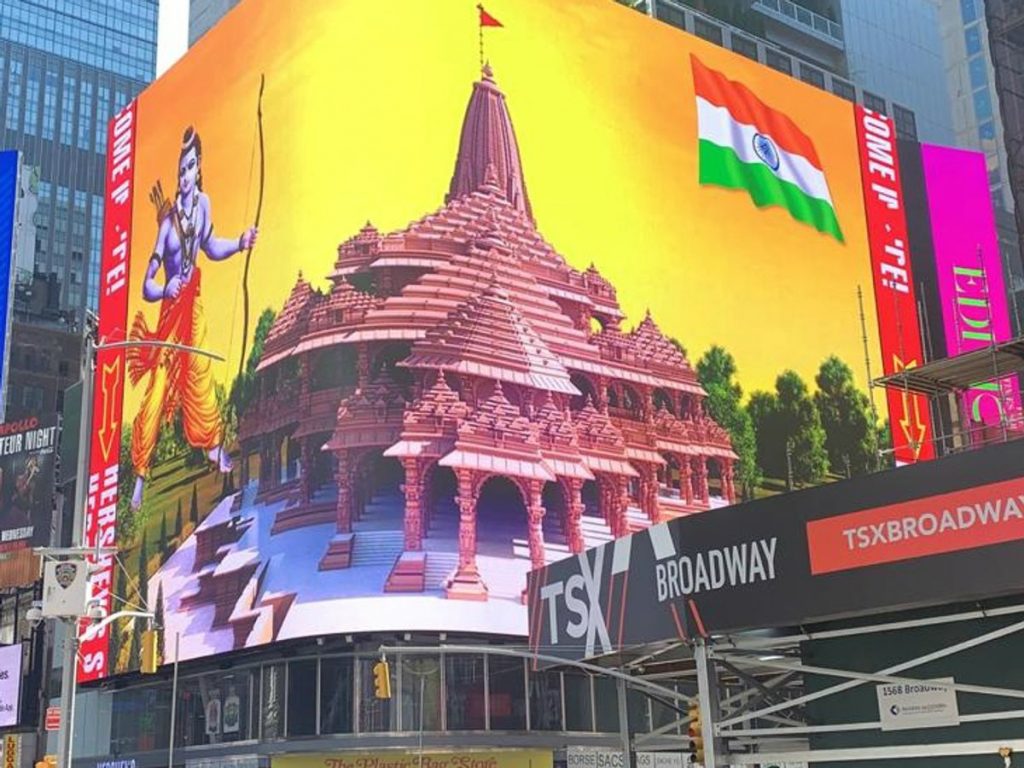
{"x": 745, "y": 144}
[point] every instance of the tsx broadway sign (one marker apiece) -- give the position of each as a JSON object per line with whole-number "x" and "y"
{"x": 933, "y": 533}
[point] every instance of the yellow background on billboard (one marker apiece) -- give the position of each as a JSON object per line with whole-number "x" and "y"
{"x": 362, "y": 110}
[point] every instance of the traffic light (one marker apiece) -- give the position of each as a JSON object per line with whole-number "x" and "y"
{"x": 382, "y": 680}
{"x": 149, "y": 652}
{"x": 696, "y": 734}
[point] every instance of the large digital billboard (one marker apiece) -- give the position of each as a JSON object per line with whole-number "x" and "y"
{"x": 10, "y": 166}
{"x": 479, "y": 310}
{"x": 969, "y": 279}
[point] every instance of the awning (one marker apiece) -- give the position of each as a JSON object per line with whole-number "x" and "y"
{"x": 498, "y": 465}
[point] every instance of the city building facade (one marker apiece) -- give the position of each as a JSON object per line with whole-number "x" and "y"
{"x": 203, "y": 14}
{"x": 65, "y": 69}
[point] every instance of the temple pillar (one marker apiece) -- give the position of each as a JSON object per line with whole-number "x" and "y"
{"x": 647, "y": 404}
{"x": 413, "y": 488}
{"x": 700, "y": 471}
{"x": 466, "y": 583}
{"x": 649, "y": 492}
{"x": 305, "y": 471}
{"x": 343, "y": 479}
{"x": 573, "y": 516}
{"x": 535, "y": 523}
{"x": 602, "y": 394}
{"x": 686, "y": 481}
{"x": 363, "y": 364}
{"x": 615, "y": 500}
{"x": 729, "y": 481}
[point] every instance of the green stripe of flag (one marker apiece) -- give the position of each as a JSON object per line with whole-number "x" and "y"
{"x": 722, "y": 167}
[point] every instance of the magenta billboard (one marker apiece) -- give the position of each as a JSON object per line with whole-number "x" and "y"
{"x": 969, "y": 269}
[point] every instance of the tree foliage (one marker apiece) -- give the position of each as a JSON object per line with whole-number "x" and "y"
{"x": 716, "y": 371}
{"x": 789, "y": 420}
{"x": 851, "y": 436}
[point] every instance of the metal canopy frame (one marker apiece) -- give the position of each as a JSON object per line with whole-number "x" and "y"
{"x": 958, "y": 373}
{"x": 752, "y": 692}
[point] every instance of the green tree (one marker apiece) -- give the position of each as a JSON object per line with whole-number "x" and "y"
{"x": 716, "y": 371}
{"x": 771, "y": 456}
{"x": 193, "y": 513}
{"x": 135, "y": 651}
{"x": 179, "y": 522}
{"x": 800, "y": 425}
{"x": 158, "y": 623}
{"x": 163, "y": 534}
{"x": 243, "y": 387}
{"x": 787, "y": 420}
{"x": 851, "y": 437}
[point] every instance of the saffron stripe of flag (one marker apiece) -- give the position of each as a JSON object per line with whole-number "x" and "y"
{"x": 747, "y": 108}
{"x": 745, "y": 144}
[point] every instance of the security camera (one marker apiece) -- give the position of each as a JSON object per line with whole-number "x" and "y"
{"x": 96, "y": 612}
{"x": 34, "y": 616}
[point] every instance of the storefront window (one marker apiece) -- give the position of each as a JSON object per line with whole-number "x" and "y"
{"x": 374, "y": 714}
{"x": 214, "y": 709}
{"x": 578, "y": 713}
{"x": 140, "y": 719}
{"x": 606, "y": 704}
{"x": 302, "y": 698}
{"x": 465, "y": 693}
{"x": 421, "y": 682}
{"x": 507, "y": 693}
{"x": 336, "y": 688}
{"x": 545, "y": 701}
{"x": 666, "y": 711}
{"x": 272, "y": 702}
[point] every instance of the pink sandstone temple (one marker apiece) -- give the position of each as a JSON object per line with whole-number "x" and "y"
{"x": 464, "y": 364}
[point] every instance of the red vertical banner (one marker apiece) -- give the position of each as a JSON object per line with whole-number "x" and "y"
{"x": 909, "y": 415}
{"x": 108, "y": 383}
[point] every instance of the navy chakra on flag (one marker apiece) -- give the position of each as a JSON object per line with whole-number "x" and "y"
{"x": 765, "y": 149}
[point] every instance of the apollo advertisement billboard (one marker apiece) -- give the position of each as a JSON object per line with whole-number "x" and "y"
{"x": 420, "y": 317}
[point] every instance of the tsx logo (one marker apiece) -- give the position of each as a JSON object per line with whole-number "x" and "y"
{"x": 581, "y": 594}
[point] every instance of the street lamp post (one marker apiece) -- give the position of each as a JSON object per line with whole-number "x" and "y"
{"x": 71, "y": 641}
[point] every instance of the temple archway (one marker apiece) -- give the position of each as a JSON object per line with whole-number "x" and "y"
{"x": 500, "y": 516}
{"x": 441, "y": 511}
{"x": 586, "y": 388}
{"x": 377, "y": 485}
{"x": 663, "y": 399}
{"x": 716, "y": 486}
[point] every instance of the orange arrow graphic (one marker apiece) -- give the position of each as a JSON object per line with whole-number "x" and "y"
{"x": 914, "y": 431}
{"x": 109, "y": 426}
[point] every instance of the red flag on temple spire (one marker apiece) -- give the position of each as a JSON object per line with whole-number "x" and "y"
{"x": 486, "y": 20}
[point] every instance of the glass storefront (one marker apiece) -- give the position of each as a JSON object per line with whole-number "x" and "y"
{"x": 333, "y": 695}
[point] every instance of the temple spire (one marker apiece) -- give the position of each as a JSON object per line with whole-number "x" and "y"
{"x": 488, "y": 158}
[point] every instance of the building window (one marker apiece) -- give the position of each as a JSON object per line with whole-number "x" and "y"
{"x": 579, "y": 711}
{"x": 49, "y": 104}
{"x": 875, "y": 103}
{"x": 744, "y": 46}
{"x": 507, "y": 693}
{"x": 906, "y": 123}
{"x": 812, "y": 75}
{"x": 302, "y": 705}
{"x": 670, "y": 15}
{"x": 969, "y": 10}
{"x": 67, "y": 110}
{"x": 32, "y": 86}
{"x": 982, "y": 104}
{"x": 421, "y": 683}
{"x": 14, "y": 95}
{"x": 464, "y": 683}
{"x": 336, "y": 686}
{"x": 972, "y": 38}
{"x": 978, "y": 75}
{"x": 987, "y": 131}
{"x": 545, "y": 701}
{"x": 375, "y": 715}
{"x": 843, "y": 89}
{"x": 102, "y": 116}
{"x": 84, "y": 115}
{"x": 779, "y": 61}
{"x": 705, "y": 29}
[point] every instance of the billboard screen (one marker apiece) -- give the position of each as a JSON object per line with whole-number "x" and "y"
{"x": 473, "y": 316}
{"x": 969, "y": 278}
{"x": 10, "y": 684}
{"x": 27, "y": 456}
{"x": 10, "y": 165}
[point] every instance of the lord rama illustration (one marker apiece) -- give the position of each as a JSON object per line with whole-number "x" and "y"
{"x": 179, "y": 380}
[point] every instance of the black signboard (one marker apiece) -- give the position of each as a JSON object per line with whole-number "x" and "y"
{"x": 937, "y": 532}
{"x": 28, "y": 450}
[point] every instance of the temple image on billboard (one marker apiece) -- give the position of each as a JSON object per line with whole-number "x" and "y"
{"x": 461, "y": 405}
